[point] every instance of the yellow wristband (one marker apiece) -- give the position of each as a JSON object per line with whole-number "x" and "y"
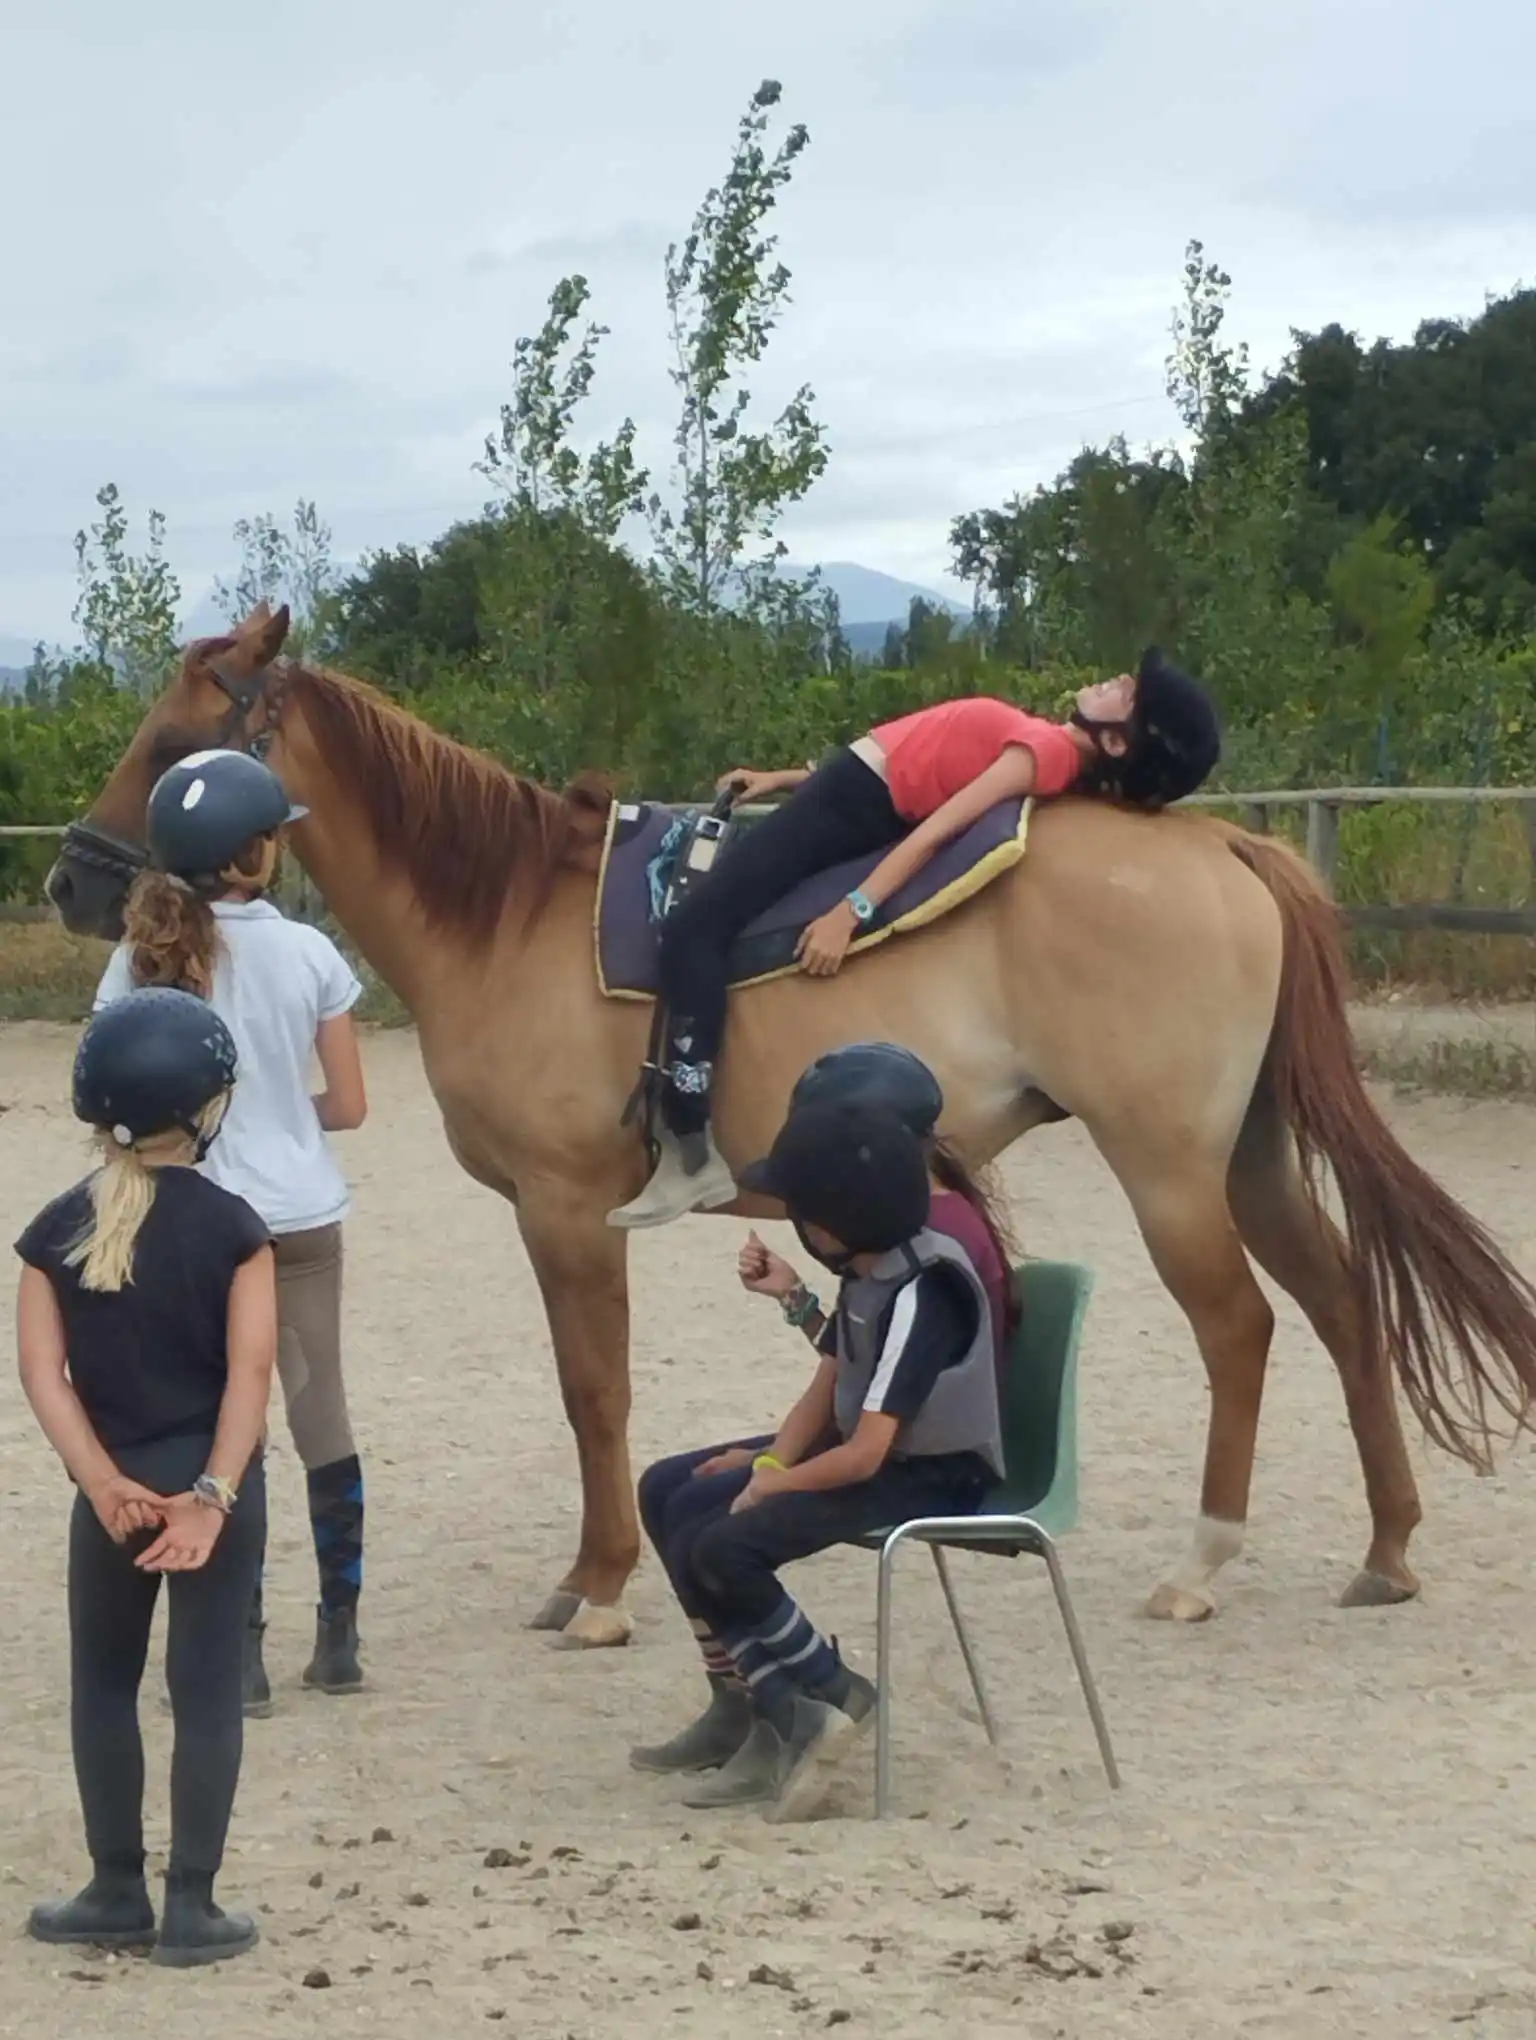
{"x": 767, "y": 1459}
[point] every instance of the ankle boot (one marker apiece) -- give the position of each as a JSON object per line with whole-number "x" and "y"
{"x": 335, "y": 1668}
{"x": 824, "y": 1731}
{"x": 113, "y": 1911}
{"x": 707, "y": 1743}
{"x": 256, "y": 1691}
{"x": 193, "y": 1930}
{"x": 691, "y": 1175}
{"x": 751, "y": 1776}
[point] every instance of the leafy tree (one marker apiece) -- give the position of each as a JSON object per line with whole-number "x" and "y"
{"x": 127, "y": 606}
{"x": 725, "y": 290}
{"x": 1207, "y": 380}
{"x": 1440, "y": 432}
{"x": 1383, "y": 597}
{"x": 292, "y": 566}
{"x": 531, "y": 460}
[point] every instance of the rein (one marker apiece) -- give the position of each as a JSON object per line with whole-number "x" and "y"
{"x": 265, "y": 689}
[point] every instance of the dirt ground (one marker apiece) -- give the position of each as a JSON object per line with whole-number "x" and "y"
{"x": 1328, "y": 1824}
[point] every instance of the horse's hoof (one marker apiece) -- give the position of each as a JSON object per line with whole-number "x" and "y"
{"x": 1375, "y": 1590}
{"x": 595, "y": 1628}
{"x": 1180, "y": 1604}
{"x": 558, "y": 1610}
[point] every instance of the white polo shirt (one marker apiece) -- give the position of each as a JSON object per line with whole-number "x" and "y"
{"x": 274, "y": 982}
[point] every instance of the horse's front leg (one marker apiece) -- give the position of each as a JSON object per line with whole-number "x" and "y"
{"x": 579, "y": 1261}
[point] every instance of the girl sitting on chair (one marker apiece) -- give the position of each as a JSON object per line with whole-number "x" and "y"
{"x": 900, "y": 1420}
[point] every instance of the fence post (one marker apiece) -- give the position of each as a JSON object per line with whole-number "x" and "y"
{"x": 1323, "y": 839}
{"x": 1528, "y": 817}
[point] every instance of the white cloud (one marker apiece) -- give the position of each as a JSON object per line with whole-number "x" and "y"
{"x": 285, "y": 252}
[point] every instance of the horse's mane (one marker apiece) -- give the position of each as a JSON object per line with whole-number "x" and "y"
{"x": 463, "y": 829}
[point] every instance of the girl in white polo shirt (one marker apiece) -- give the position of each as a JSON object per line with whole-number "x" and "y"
{"x": 199, "y": 919}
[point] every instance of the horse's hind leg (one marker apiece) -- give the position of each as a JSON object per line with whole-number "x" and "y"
{"x": 1305, "y": 1254}
{"x": 1181, "y": 1208}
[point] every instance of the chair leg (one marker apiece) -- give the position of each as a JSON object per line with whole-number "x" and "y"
{"x": 1080, "y": 1658}
{"x": 883, "y": 1676}
{"x": 962, "y": 1637}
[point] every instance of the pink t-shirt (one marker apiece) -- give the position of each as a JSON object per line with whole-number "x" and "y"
{"x": 951, "y": 1214}
{"x": 931, "y": 754}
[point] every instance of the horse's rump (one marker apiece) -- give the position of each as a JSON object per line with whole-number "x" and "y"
{"x": 626, "y": 933}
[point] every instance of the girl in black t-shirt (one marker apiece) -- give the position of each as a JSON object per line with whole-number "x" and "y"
{"x": 147, "y": 1330}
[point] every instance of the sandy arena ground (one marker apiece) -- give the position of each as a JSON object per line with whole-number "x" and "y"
{"x": 1328, "y": 1825}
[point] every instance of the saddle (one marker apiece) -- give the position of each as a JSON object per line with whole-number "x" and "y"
{"x": 653, "y": 857}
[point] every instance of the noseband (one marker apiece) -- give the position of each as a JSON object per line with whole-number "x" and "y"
{"x": 264, "y": 689}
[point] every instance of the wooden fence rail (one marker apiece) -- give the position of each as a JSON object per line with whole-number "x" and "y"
{"x": 1324, "y": 805}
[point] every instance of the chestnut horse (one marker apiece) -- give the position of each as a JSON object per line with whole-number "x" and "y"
{"x": 1175, "y": 984}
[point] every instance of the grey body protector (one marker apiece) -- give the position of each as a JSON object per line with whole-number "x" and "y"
{"x": 961, "y": 1413}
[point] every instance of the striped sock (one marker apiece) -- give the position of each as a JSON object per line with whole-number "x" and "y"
{"x": 784, "y": 1656}
{"x": 792, "y": 1639}
{"x": 770, "y": 1687}
{"x": 718, "y": 1661}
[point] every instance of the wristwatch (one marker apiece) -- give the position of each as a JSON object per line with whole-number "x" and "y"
{"x": 864, "y": 908}
{"x": 214, "y": 1493}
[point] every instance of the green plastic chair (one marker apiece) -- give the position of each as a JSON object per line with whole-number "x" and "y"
{"x": 1034, "y": 1502}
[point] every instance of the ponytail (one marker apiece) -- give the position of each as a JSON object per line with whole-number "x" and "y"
{"x": 171, "y": 934}
{"x": 122, "y": 1194}
{"x": 953, "y": 1174}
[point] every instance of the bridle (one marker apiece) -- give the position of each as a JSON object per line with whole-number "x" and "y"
{"x": 266, "y": 689}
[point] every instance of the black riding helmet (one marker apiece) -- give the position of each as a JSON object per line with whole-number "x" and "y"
{"x": 150, "y": 1062}
{"x": 1175, "y": 737}
{"x": 853, "y": 1170}
{"x": 874, "y": 1073}
{"x": 204, "y": 811}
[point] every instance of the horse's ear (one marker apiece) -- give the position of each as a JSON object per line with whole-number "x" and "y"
{"x": 268, "y": 637}
{"x": 259, "y": 617}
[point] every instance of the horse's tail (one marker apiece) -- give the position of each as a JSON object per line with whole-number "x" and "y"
{"x": 1434, "y": 1295}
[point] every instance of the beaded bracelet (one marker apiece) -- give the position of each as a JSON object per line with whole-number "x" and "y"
{"x": 800, "y": 1306}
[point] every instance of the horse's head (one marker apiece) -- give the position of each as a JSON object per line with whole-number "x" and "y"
{"x": 226, "y": 696}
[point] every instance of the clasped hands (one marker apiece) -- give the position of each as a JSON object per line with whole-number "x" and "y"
{"x": 189, "y": 1529}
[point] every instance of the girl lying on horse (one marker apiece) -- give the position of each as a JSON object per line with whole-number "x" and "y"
{"x": 906, "y": 788}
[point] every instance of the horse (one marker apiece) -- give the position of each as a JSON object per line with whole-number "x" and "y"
{"x": 1176, "y": 984}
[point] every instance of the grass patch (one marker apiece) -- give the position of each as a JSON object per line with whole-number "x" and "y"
{"x": 46, "y": 974}
{"x": 1462, "y": 1069}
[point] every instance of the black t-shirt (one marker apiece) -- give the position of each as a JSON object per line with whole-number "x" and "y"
{"x": 150, "y": 1360}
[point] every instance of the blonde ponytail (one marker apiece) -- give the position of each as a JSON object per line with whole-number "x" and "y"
{"x": 171, "y": 934}
{"x": 122, "y": 1194}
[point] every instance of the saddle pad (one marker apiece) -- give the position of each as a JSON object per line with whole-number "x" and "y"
{"x": 627, "y": 939}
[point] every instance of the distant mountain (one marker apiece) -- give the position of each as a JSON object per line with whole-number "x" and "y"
{"x": 866, "y": 596}
{"x": 868, "y": 601}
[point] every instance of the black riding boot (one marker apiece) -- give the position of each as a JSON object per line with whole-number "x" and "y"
{"x": 193, "y": 1930}
{"x": 113, "y": 1911}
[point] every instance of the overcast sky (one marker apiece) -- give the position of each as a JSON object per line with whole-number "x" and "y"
{"x": 262, "y": 252}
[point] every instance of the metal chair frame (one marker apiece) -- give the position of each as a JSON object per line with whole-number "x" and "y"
{"x": 1015, "y": 1536}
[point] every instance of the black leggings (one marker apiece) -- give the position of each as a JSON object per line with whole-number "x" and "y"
{"x": 843, "y": 810}
{"x": 111, "y": 1609}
